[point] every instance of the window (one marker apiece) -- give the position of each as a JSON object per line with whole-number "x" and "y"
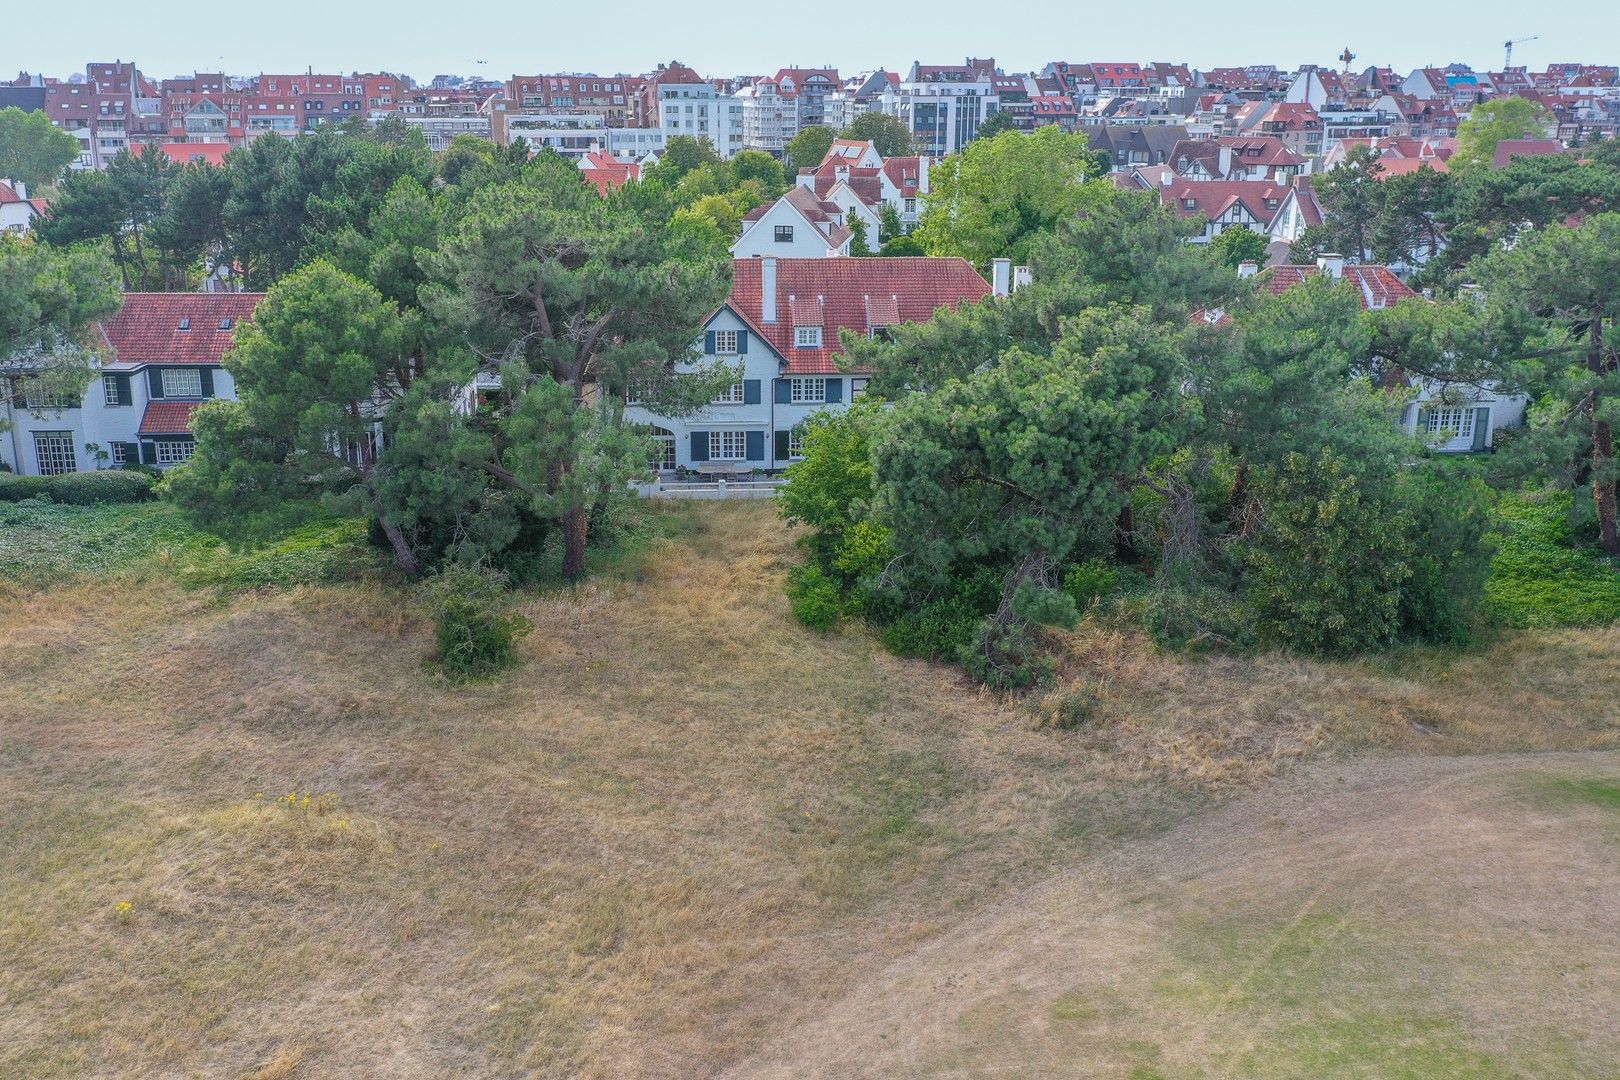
{"x": 725, "y": 341}
{"x": 808, "y": 391}
{"x": 54, "y": 452}
{"x": 663, "y": 457}
{"x": 173, "y": 451}
{"x": 857, "y": 387}
{"x": 807, "y": 337}
{"x": 911, "y": 206}
{"x": 796, "y": 441}
{"x": 784, "y": 234}
{"x": 731, "y": 396}
{"x": 1451, "y": 423}
{"x": 185, "y": 324}
{"x": 40, "y": 397}
{"x": 109, "y": 390}
{"x": 727, "y": 445}
{"x": 120, "y": 454}
{"x": 224, "y": 324}
{"x": 182, "y": 382}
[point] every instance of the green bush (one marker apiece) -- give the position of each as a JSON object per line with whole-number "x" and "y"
{"x": 1091, "y": 582}
{"x": 813, "y": 596}
{"x": 320, "y": 553}
{"x": 79, "y": 488}
{"x": 1004, "y": 656}
{"x": 474, "y": 636}
{"x": 1448, "y": 520}
{"x": 936, "y": 631}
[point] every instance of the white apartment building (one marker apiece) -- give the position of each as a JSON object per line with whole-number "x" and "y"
{"x": 701, "y": 111}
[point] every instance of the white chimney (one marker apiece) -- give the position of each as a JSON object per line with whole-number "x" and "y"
{"x": 19, "y": 187}
{"x": 1000, "y": 277}
{"x": 1022, "y": 275}
{"x": 1248, "y": 268}
{"x": 767, "y": 289}
{"x": 1331, "y": 264}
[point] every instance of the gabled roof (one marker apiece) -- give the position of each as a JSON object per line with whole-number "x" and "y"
{"x": 167, "y": 418}
{"x": 825, "y": 217}
{"x": 1508, "y": 149}
{"x": 146, "y": 329}
{"x": 847, "y": 294}
{"x": 1377, "y": 286}
{"x": 1212, "y": 198}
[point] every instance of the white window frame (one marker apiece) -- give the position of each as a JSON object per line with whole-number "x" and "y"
{"x": 55, "y": 453}
{"x": 725, "y": 342}
{"x": 184, "y": 378}
{"x": 732, "y": 395}
{"x": 807, "y": 337}
{"x": 663, "y": 459}
{"x": 796, "y": 441}
{"x": 118, "y": 454}
{"x": 37, "y": 401}
{"x": 109, "y": 390}
{"x": 807, "y": 390}
{"x": 1451, "y": 423}
{"x": 174, "y": 451}
{"x": 728, "y": 445}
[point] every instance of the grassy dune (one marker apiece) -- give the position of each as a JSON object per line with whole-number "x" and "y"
{"x": 683, "y": 830}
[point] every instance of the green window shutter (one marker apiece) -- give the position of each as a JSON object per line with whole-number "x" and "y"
{"x": 750, "y": 391}
{"x": 207, "y": 381}
{"x": 754, "y": 445}
{"x": 700, "y": 446}
{"x": 154, "y": 383}
{"x": 782, "y": 453}
{"x": 1482, "y": 427}
{"x": 784, "y": 392}
{"x": 708, "y": 342}
{"x": 742, "y": 343}
{"x": 1422, "y": 428}
{"x": 126, "y": 393}
{"x": 835, "y": 391}
{"x": 148, "y": 453}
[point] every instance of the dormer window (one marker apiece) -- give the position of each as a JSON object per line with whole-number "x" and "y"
{"x": 807, "y": 337}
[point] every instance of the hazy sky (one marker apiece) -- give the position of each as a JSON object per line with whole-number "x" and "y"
{"x": 421, "y": 39}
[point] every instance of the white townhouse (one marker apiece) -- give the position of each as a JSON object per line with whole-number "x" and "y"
{"x": 164, "y": 354}
{"x": 17, "y": 210}
{"x": 853, "y": 171}
{"x": 781, "y": 328}
{"x": 797, "y": 225}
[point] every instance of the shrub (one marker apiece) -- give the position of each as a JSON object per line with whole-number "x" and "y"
{"x": 1004, "y": 656}
{"x": 813, "y": 596}
{"x": 1447, "y": 521}
{"x": 79, "y": 488}
{"x": 1325, "y": 572}
{"x": 474, "y": 636}
{"x": 1091, "y": 582}
{"x": 1542, "y": 576}
{"x": 320, "y": 553}
{"x": 1068, "y": 712}
{"x": 936, "y": 631}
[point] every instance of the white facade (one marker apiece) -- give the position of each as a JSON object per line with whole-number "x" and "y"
{"x": 943, "y": 117}
{"x": 770, "y": 120}
{"x": 102, "y": 430}
{"x": 701, "y": 111}
{"x": 1460, "y": 419}
{"x": 784, "y": 231}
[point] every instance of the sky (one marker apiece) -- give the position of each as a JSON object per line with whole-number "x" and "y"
{"x": 421, "y": 39}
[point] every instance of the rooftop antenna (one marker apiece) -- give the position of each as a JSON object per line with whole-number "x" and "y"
{"x": 1507, "y": 61}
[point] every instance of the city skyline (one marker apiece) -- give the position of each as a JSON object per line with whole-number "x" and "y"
{"x": 723, "y": 46}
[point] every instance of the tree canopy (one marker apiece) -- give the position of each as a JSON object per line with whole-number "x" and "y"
{"x": 34, "y": 150}
{"x": 1490, "y": 122}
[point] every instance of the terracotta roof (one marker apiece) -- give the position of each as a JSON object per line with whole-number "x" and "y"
{"x": 1212, "y": 198}
{"x": 212, "y": 153}
{"x": 826, "y": 217}
{"x": 1377, "y": 286}
{"x": 167, "y": 418}
{"x": 1508, "y": 149}
{"x": 848, "y": 293}
{"x": 146, "y": 329}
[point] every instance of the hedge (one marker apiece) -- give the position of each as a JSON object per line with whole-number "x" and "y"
{"x": 78, "y": 488}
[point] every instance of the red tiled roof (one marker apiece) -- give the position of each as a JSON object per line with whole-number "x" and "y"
{"x": 1212, "y": 198}
{"x": 167, "y": 417}
{"x": 848, "y": 293}
{"x": 212, "y": 153}
{"x": 146, "y": 329}
{"x": 1377, "y": 286}
{"x": 1508, "y": 149}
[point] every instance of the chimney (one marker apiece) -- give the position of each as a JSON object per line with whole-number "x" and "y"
{"x": 1021, "y": 276}
{"x": 1248, "y": 268}
{"x": 1000, "y": 277}
{"x": 1331, "y": 264}
{"x": 767, "y": 289}
{"x": 19, "y": 187}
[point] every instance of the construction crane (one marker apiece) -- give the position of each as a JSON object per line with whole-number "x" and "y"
{"x": 1507, "y": 61}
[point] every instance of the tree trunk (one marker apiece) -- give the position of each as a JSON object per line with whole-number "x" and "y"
{"x": 404, "y": 557}
{"x": 576, "y": 520}
{"x": 1603, "y": 487}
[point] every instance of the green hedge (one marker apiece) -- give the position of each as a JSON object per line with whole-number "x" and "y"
{"x": 78, "y": 488}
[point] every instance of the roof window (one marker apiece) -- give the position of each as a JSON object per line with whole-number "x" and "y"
{"x": 185, "y": 324}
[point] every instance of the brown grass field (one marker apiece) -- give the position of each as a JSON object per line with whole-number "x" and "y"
{"x": 688, "y": 837}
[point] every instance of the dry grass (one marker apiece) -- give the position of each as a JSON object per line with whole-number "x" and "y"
{"x": 682, "y": 826}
